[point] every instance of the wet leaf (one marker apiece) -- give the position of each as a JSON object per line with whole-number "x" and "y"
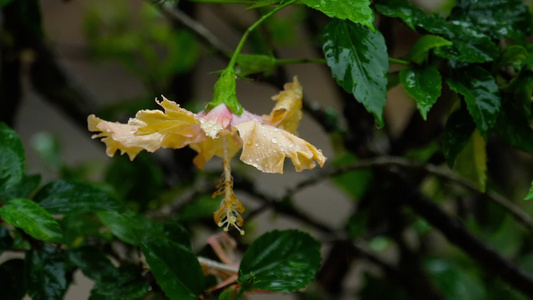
{"x": 281, "y": 261}
{"x": 357, "y": 11}
{"x": 359, "y": 62}
{"x": 46, "y": 274}
{"x": 495, "y": 18}
{"x": 457, "y": 133}
{"x": 424, "y": 84}
{"x": 63, "y": 197}
{"x": 33, "y": 219}
{"x": 481, "y": 95}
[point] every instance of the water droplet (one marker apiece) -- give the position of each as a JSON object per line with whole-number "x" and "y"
{"x": 282, "y": 149}
{"x": 257, "y": 144}
{"x": 274, "y": 140}
{"x": 276, "y": 129}
{"x": 291, "y": 145}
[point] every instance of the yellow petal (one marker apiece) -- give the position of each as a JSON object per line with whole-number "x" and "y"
{"x": 118, "y": 136}
{"x": 288, "y": 110}
{"x": 265, "y": 147}
{"x": 211, "y": 147}
{"x": 178, "y": 126}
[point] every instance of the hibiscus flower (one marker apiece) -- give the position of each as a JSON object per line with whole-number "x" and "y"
{"x": 265, "y": 140}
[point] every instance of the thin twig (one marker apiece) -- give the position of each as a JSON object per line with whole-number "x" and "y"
{"x": 280, "y": 205}
{"x": 520, "y": 216}
{"x": 457, "y": 234}
{"x": 197, "y": 28}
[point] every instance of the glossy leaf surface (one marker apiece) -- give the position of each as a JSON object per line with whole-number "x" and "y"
{"x": 457, "y": 132}
{"x": 282, "y": 261}
{"x": 469, "y": 45}
{"x": 12, "y": 159}
{"x": 62, "y": 197}
{"x": 111, "y": 282}
{"x": 33, "y": 219}
{"x": 481, "y": 95}
{"x": 359, "y": 62}
{"x": 357, "y": 11}
{"x": 424, "y": 84}
{"x": 175, "y": 267}
{"x": 46, "y": 274}
{"x": 419, "y": 51}
{"x": 496, "y": 18}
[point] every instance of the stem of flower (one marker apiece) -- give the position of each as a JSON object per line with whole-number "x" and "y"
{"x": 244, "y": 37}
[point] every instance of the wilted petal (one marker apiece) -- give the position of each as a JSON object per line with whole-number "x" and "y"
{"x": 211, "y": 147}
{"x": 215, "y": 120}
{"x": 118, "y": 136}
{"x": 265, "y": 147}
{"x": 288, "y": 110}
{"x": 179, "y": 127}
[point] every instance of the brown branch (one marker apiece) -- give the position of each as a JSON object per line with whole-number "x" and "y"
{"x": 457, "y": 234}
{"x": 387, "y": 161}
{"x": 283, "y": 206}
{"x": 206, "y": 36}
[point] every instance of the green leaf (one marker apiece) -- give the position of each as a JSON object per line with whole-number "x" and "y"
{"x": 225, "y": 91}
{"x": 420, "y": 50}
{"x": 12, "y": 279}
{"x": 120, "y": 224}
{"x": 77, "y": 227}
{"x": 93, "y": 263}
{"x": 33, "y": 219}
{"x": 470, "y": 49}
{"x": 481, "y": 95}
{"x": 12, "y": 159}
{"x": 281, "y": 261}
{"x": 457, "y": 132}
{"x": 252, "y": 64}
{"x": 21, "y": 189}
{"x": 46, "y": 274}
{"x": 174, "y": 266}
{"x": 398, "y": 9}
{"x": 515, "y": 56}
{"x": 469, "y": 45}
{"x": 495, "y": 18}
{"x": 424, "y": 84}
{"x": 124, "y": 225}
{"x": 359, "y": 62}
{"x": 128, "y": 284}
{"x": 471, "y": 163}
{"x": 529, "y": 196}
{"x": 357, "y": 11}
{"x": 111, "y": 282}
{"x": 62, "y": 197}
